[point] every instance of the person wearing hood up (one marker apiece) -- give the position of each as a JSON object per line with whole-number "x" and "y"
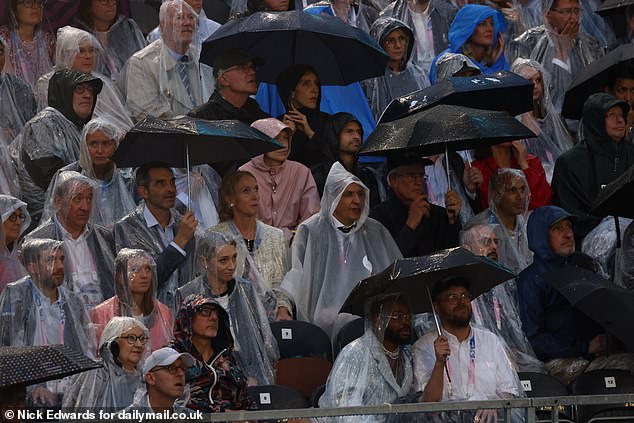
{"x": 455, "y": 64}
{"x": 343, "y": 137}
{"x": 112, "y": 386}
{"x": 476, "y": 32}
{"x": 17, "y": 102}
{"x": 165, "y": 79}
{"x": 564, "y": 337}
{"x": 620, "y": 83}
{"x": 216, "y": 381}
{"x": 602, "y": 156}
{"x": 15, "y": 221}
{"x": 39, "y": 310}
{"x": 288, "y": 194}
{"x": 50, "y": 140}
{"x": 79, "y": 50}
{"x": 90, "y": 249}
{"x": 135, "y": 289}
{"x": 402, "y": 76}
{"x": 335, "y": 249}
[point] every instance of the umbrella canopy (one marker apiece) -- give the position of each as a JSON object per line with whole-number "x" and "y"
{"x": 412, "y": 277}
{"x": 613, "y": 7}
{"x": 503, "y": 91}
{"x": 616, "y": 198}
{"x": 340, "y": 53}
{"x": 592, "y": 79}
{"x": 609, "y": 305}
{"x": 444, "y": 127}
{"x": 206, "y": 141}
{"x": 30, "y": 365}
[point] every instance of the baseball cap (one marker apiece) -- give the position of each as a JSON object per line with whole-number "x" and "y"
{"x": 233, "y": 57}
{"x": 165, "y": 357}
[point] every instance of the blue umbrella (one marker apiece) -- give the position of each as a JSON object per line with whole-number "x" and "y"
{"x": 341, "y": 54}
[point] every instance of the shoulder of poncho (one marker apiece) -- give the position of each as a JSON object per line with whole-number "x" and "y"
{"x": 532, "y": 33}
{"x": 152, "y": 49}
{"x": 46, "y": 230}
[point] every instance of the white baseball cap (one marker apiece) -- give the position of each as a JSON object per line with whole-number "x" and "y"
{"x": 165, "y": 357}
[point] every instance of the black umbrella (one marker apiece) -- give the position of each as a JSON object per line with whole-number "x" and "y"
{"x": 340, "y": 53}
{"x": 609, "y": 305}
{"x": 613, "y": 7}
{"x": 31, "y": 365}
{"x": 184, "y": 141}
{"x": 592, "y": 79}
{"x": 413, "y": 277}
{"x": 615, "y": 199}
{"x": 503, "y": 91}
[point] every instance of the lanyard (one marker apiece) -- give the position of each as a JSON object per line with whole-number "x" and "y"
{"x": 472, "y": 369}
{"x": 37, "y": 297}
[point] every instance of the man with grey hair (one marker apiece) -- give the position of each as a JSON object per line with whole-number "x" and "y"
{"x": 165, "y": 78}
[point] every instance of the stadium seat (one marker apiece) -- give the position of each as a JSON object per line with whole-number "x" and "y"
{"x": 301, "y": 339}
{"x": 604, "y": 382}
{"x": 538, "y": 385}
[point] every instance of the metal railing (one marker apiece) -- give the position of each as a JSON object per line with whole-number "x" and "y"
{"x": 529, "y": 405}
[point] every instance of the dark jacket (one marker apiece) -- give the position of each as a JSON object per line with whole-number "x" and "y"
{"x": 553, "y": 326}
{"x": 596, "y": 161}
{"x": 432, "y": 234}
{"x": 217, "y": 108}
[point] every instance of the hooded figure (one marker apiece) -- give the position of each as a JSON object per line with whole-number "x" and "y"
{"x": 581, "y": 172}
{"x": 555, "y": 328}
{"x": 422, "y": 17}
{"x": 136, "y": 274}
{"x": 122, "y": 39}
{"x": 217, "y": 384}
{"x": 112, "y": 194}
{"x": 17, "y": 103}
{"x": 10, "y": 267}
{"x": 50, "y": 140}
{"x": 255, "y": 348}
{"x": 562, "y": 57}
{"x": 462, "y": 28}
{"x": 329, "y": 259}
{"x": 395, "y": 83}
{"x": 366, "y": 372}
{"x": 455, "y": 64}
{"x": 111, "y": 386}
{"x": 89, "y": 248}
{"x": 553, "y": 137}
{"x": 307, "y": 151}
{"x": 79, "y": 50}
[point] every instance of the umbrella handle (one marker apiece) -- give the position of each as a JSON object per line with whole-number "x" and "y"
{"x": 437, "y": 326}
{"x": 447, "y": 165}
{"x": 189, "y": 183}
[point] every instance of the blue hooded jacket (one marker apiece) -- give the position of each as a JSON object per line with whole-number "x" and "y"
{"x": 553, "y": 326}
{"x": 463, "y": 25}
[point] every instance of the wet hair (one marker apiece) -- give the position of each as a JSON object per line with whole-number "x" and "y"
{"x": 143, "y": 172}
{"x": 228, "y": 190}
{"x": 32, "y": 249}
{"x": 121, "y": 270}
{"x": 448, "y": 282}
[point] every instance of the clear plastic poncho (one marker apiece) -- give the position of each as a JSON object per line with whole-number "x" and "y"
{"x": 90, "y": 255}
{"x": 158, "y": 80}
{"x": 362, "y": 375}
{"x": 358, "y": 13}
{"x": 155, "y": 316}
{"x": 600, "y": 244}
{"x": 121, "y": 41}
{"x": 204, "y": 182}
{"x": 255, "y": 346}
{"x": 26, "y": 315}
{"x": 50, "y": 140}
{"x": 112, "y": 196}
{"x": 513, "y": 247}
{"x": 110, "y": 387}
{"x": 561, "y": 57}
{"x": 11, "y": 268}
{"x": 624, "y": 260}
{"x": 17, "y": 103}
{"x": 9, "y": 183}
{"x": 553, "y": 136}
{"x": 436, "y": 19}
{"x": 451, "y": 63}
{"x": 327, "y": 263}
{"x": 383, "y": 89}
{"x": 70, "y": 42}
{"x": 496, "y": 310}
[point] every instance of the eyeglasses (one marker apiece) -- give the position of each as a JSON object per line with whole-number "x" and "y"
{"x": 488, "y": 242}
{"x": 569, "y": 11}
{"x": 391, "y": 42}
{"x": 32, "y": 4}
{"x": 401, "y": 317}
{"x": 455, "y": 298}
{"x": 131, "y": 339}
{"x": 615, "y": 116}
{"x": 247, "y": 67}
{"x": 413, "y": 176}
{"x": 14, "y": 217}
{"x": 81, "y": 88}
{"x": 207, "y": 311}
{"x": 171, "y": 369}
